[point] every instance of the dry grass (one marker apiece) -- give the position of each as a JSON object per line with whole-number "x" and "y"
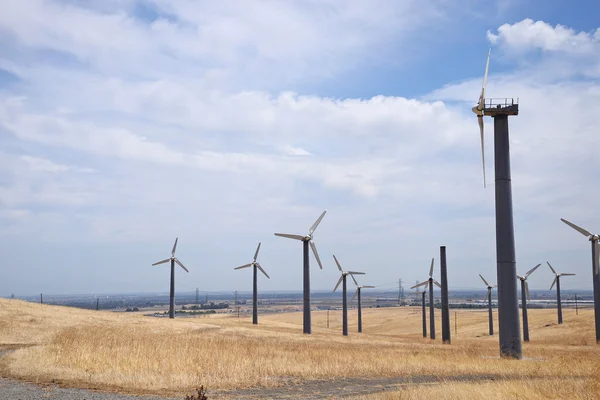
{"x": 128, "y": 352}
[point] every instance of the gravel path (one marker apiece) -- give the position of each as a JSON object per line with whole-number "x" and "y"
{"x": 15, "y": 390}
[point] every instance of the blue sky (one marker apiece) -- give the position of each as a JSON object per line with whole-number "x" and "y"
{"x": 125, "y": 124}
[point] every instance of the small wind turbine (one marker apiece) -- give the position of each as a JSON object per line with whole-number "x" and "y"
{"x": 173, "y": 260}
{"x": 256, "y": 266}
{"x": 488, "y": 296}
{"x": 431, "y": 282}
{"x": 557, "y": 282}
{"x": 525, "y": 292}
{"x": 593, "y": 238}
{"x": 424, "y": 309}
{"x": 358, "y": 291}
{"x": 306, "y": 240}
{"x": 508, "y": 306}
{"x": 342, "y": 280}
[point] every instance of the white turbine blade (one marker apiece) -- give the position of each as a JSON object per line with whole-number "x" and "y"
{"x": 263, "y": 271}
{"x": 181, "y": 265}
{"x": 337, "y": 263}
{"x": 577, "y": 228}
{"x": 420, "y": 284}
{"x": 551, "y": 267}
{"x": 162, "y": 262}
{"x": 370, "y": 287}
{"x": 290, "y": 236}
{"x": 485, "y": 75}
{"x": 489, "y": 292}
{"x": 355, "y": 273}
{"x": 354, "y": 279}
{"x": 257, "y": 249}
{"x": 355, "y": 293}
{"x": 597, "y": 260}
{"x": 431, "y": 268}
{"x": 437, "y": 283}
{"x": 480, "y": 121}
{"x": 244, "y": 266}
{"x": 553, "y": 282}
{"x": 317, "y": 222}
{"x": 314, "y": 249}
{"x": 527, "y": 291}
{"x": 531, "y": 270}
{"x": 566, "y": 274}
{"x": 338, "y": 283}
{"x": 174, "y": 247}
{"x": 484, "y": 281}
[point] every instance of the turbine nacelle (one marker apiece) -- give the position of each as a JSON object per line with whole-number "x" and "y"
{"x": 173, "y": 258}
{"x": 477, "y": 111}
{"x": 307, "y": 238}
{"x": 255, "y": 263}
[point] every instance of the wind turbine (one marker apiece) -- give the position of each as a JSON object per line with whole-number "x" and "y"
{"x": 255, "y": 266}
{"x": 488, "y": 296}
{"x": 358, "y": 291}
{"x": 525, "y": 292}
{"x": 424, "y": 309}
{"x": 557, "y": 281}
{"x": 306, "y": 240}
{"x": 173, "y": 260}
{"x": 430, "y": 281}
{"x": 508, "y": 305}
{"x": 593, "y": 238}
{"x": 342, "y": 280}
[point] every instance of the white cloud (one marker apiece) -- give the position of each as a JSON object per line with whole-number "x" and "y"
{"x": 192, "y": 129}
{"x": 528, "y": 34}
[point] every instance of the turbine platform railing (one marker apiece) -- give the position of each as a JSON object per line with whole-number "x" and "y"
{"x": 501, "y": 106}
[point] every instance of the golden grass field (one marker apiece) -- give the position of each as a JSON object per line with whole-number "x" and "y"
{"x": 131, "y": 353}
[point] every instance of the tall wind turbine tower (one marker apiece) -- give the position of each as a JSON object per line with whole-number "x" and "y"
{"x": 173, "y": 260}
{"x": 306, "y": 241}
{"x": 593, "y": 238}
{"x": 508, "y": 305}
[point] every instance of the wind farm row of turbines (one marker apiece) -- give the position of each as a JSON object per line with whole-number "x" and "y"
{"x": 526, "y": 297}
{"x": 307, "y": 241}
{"x": 510, "y": 339}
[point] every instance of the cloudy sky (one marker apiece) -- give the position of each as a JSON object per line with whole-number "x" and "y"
{"x": 127, "y": 123}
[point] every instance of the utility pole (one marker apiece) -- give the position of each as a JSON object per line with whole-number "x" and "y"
{"x": 41, "y": 299}
{"x": 576, "y": 307}
{"x": 206, "y": 299}
{"x": 328, "y": 318}
{"x": 97, "y": 303}
{"x": 197, "y": 294}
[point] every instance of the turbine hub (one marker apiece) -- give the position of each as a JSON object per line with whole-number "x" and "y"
{"x": 476, "y": 110}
